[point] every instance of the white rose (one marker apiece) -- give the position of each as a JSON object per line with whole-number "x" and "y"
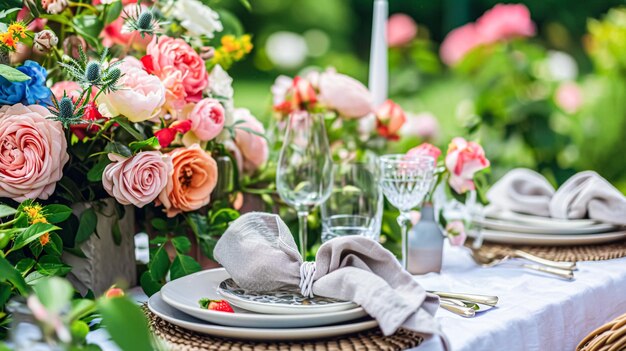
{"x": 197, "y": 18}
{"x": 220, "y": 83}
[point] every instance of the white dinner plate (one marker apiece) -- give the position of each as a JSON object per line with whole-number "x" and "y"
{"x": 159, "y": 307}
{"x": 543, "y": 239}
{"x": 537, "y": 221}
{"x": 184, "y": 294}
{"x": 510, "y": 226}
{"x": 280, "y": 302}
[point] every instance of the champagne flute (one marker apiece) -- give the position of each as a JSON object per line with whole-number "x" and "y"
{"x": 304, "y": 177}
{"x": 405, "y": 181}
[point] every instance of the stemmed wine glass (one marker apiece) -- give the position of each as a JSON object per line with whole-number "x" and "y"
{"x": 304, "y": 177}
{"x": 405, "y": 181}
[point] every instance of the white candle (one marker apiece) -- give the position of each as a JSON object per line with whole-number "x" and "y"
{"x": 378, "y": 80}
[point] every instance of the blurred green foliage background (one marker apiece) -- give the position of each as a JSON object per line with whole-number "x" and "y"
{"x": 517, "y": 120}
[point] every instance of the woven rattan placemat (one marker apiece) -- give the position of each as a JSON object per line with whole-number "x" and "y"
{"x": 564, "y": 253}
{"x": 180, "y": 339}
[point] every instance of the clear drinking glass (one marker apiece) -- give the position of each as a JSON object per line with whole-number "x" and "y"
{"x": 355, "y": 206}
{"x": 405, "y": 181}
{"x": 304, "y": 177}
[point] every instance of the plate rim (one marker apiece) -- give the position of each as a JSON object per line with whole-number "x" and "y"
{"x": 494, "y": 212}
{"x": 281, "y": 333}
{"x": 503, "y": 225}
{"x": 551, "y": 239}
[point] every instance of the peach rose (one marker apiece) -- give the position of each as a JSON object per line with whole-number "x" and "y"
{"x": 425, "y": 149}
{"x": 167, "y": 53}
{"x": 113, "y": 33}
{"x": 463, "y": 160}
{"x": 389, "y": 119}
{"x": 253, "y": 147}
{"x": 71, "y": 88}
{"x": 141, "y": 97}
{"x": 345, "y": 94}
{"x": 504, "y": 22}
{"x": 207, "y": 119}
{"x": 32, "y": 152}
{"x": 192, "y": 180}
{"x": 137, "y": 180}
{"x": 401, "y": 29}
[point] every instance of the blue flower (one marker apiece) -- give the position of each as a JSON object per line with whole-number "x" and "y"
{"x": 33, "y": 91}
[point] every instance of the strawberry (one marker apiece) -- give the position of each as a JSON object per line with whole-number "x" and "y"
{"x": 216, "y": 305}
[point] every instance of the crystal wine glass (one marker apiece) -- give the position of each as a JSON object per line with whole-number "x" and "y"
{"x": 405, "y": 181}
{"x": 304, "y": 177}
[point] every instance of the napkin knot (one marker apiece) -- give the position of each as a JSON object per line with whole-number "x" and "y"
{"x": 307, "y": 272}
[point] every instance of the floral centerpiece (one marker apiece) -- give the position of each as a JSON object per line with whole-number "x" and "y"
{"x": 140, "y": 110}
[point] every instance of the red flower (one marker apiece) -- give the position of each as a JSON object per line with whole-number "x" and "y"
{"x": 167, "y": 135}
{"x": 303, "y": 92}
{"x": 90, "y": 115}
{"x": 148, "y": 64}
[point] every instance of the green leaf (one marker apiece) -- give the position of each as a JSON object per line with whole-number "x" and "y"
{"x": 182, "y": 244}
{"x": 34, "y": 277}
{"x": 55, "y": 245}
{"x": 183, "y": 265}
{"x": 81, "y": 308}
{"x": 95, "y": 173}
{"x": 118, "y": 148}
{"x": 149, "y": 144}
{"x": 246, "y": 4}
{"x": 6, "y": 211}
{"x": 116, "y": 232}
{"x": 57, "y": 213}
{"x": 25, "y": 265}
{"x": 31, "y": 234}
{"x": 87, "y": 225}
{"x": 12, "y": 74}
{"x": 79, "y": 329}
{"x": 89, "y": 27}
{"x": 52, "y": 266}
{"x": 149, "y": 285}
{"x": 159, "y": 264}
{"x": 126, "y": 324}
{"x": 207, "y": 245}
{"x": 8, "y": 272}
{"x": 113, "y": 12}
{"x": 54, "y": 293}
{"x": 159, "y": 224}
{"x": 5, "y": 293}
{"x": 127, "y": 127}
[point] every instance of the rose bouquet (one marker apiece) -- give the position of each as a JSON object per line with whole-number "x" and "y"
{"x": 140, "y": 109}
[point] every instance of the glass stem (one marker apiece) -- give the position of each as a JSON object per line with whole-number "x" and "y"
{"x": 303, "y": 231}
{"x": 403, "y": 222}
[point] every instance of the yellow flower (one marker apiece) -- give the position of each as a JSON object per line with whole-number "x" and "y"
{"x": 44, "y": 239}
{"x": 17, "y": 29}
{"x": 7, "y": 40}
{"x": 39, "y": 220}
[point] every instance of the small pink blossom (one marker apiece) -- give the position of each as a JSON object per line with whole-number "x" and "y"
{"x": 423, "y": 125}
{"x": 505, "y": 22}
{"x": 456, "y": 233}
{"x": 349, "y": 97}
{"x": 425, "y": 149}
{"x": 401, "y": 29}
{"x": 207, "y": 119}
{"x": 459, "y": 42}
{"x": 463, "y": 160}
{"x": 389, "y": 119}
{"x": 569, "y": 97}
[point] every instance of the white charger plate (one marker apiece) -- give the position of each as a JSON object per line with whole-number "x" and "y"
{"x": 159, "y": 307}
{"x": 503, "y": 237}
{"x": 537, "y": 221}
{"x": 540, "y": 229}
{"x": 280, "y": 302}
{"x": 184, "y": 294}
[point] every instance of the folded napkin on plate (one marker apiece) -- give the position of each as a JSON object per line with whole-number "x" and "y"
{"x": 259, "y": 253}
{"x": 584, "y": 195}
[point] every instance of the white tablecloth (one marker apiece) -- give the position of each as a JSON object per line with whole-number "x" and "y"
{"x": 535, "y": 312}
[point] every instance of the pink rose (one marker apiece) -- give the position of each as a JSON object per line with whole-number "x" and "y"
{"x": 253, "y": 147}
{"x": 207, "y": 119}
{"x": 505, "y": 22}
{"x": 423, "y": 125}
{"x": 456, "y": 233}
{"x": 401, "y": 29}
{"x": 459, "y": 42}
{"x": 425, "y": 149}
{"x": 389, "y": 119}
{"x": 169, "y": 53}
{"x": 142, "y": 95}
{"x": 569, "y": 97}
{"x": 192, "y": 180}
{"x": 113, "y": 32}
{"x": 32, "y": 152}
{"x": 137, "y": 180}
{"x": 345, "y": 94}
{"x": 463, "y": 160}
{"x": 175, "y": 94}
{"x": 71, "y": 88}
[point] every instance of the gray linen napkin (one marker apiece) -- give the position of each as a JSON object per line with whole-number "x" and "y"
{"x": 522, "y": 190}
{"x": 259, "y": 253}
{"x": 584, "y": 195}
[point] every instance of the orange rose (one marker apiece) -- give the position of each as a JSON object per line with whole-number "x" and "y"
{"x": 193, "y": 179}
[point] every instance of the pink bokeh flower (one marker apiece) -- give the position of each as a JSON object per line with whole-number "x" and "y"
{"x": 171, "y": 55}
{"x": 142, "y": 95}
{"x": 459, "y": 42}
{"x": 389, "y": 119}
{"x": 456, "y": 233}
{"x": 137, "y": 180}
{"x": 463, "y": 160}
{"x": 423, "y": 125}
{"x": 253, "y": 147}
{"x": 569, "y": 97}
{"x": 345, "y": 94}
{"x": 401, "y": 30}
{"x": 425, "y": 149}
{"x": 33, "y": 151}
{"x": 505, "y": 22}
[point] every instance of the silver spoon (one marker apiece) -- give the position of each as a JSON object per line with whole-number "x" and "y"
{"x": 491, "y": 261}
